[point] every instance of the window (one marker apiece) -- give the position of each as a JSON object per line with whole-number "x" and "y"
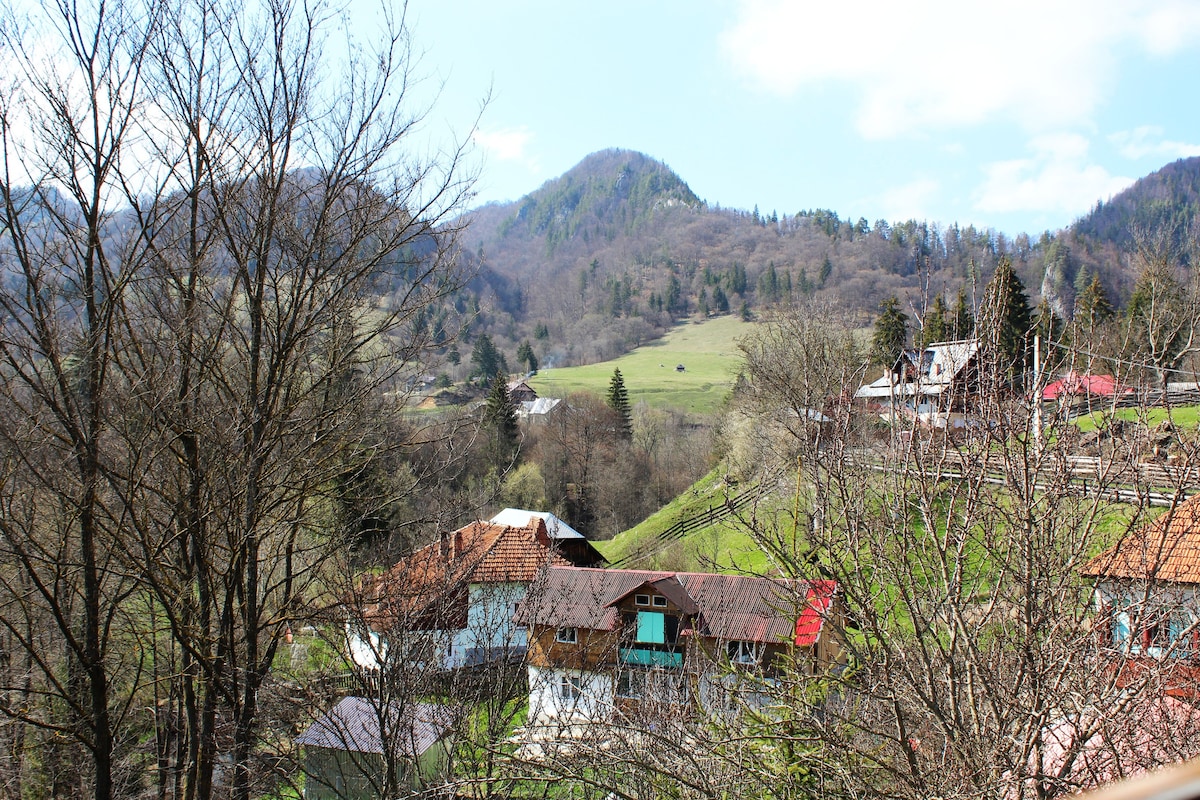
{"x": 641, "y": 599}
{"x": 570, "y": 687}
{"x": 660, "y": 602}
{"x": 651, "y": 627}
{"x": 566, "y": 636}
{"x": 631, "y": 684}
{"x": 744, "y": 653}
{"x": 664, "y": 686}
{"x": 671, "y": 629}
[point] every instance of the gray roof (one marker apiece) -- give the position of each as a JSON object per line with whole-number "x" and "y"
{"x": 520, "y": 518}
{"x": 354, "y": 725}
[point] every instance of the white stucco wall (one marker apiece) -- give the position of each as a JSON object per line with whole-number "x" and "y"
{"x": 490, "y": 632}
{"x": 490, "y": 627}
{"x": 548, "y": 705}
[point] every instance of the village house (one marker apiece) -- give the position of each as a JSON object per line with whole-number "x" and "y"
{"x": 521, "y": 392}
{"x": 450, "y": 604}
{"x": 935, "y": 385}
{"x": 348, "y": 751}
{"x": 1148, "y": 598}
{"x": 605, "y": 642}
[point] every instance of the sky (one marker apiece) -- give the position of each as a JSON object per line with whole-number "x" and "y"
{"x": 1016, "y": 116}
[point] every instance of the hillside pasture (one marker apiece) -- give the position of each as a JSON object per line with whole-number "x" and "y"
{"x": 707, "y": 350}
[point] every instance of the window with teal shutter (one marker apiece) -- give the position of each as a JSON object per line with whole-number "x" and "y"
{"x": 651, "y": 627}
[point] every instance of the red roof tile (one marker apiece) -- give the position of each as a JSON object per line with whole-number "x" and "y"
{"x": 1168, "y": 549}
{"x": 427, "y": 589}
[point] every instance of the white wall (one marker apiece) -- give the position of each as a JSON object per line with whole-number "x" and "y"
{"x": 548, "y": 705}
{"x": 490, "y": 629}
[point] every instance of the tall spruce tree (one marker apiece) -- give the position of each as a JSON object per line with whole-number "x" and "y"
{"x": 962, "y": 321}
{"x": 500, "y": 417}
{"x": 1004, "y": 325}
{"x": 618, "y": 401}
{"x": 935, "y": 327}
{"x": 891, "y": 332}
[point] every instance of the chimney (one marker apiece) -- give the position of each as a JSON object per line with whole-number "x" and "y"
{"x": 457, "y": 550}
{"x": 540, "y": 533}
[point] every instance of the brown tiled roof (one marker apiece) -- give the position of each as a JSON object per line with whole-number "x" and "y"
{"x": 428, "y": 588}
{"x": 729, "y": 606}
{"x": 1167, "y": 549}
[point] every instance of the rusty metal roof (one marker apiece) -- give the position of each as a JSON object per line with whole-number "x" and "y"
{"x": 728, "y": 607}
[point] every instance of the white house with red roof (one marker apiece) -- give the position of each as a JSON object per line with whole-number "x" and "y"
{"x": 606, "y": 642}
{"x": 450, "y": 604}
{"x": 1148, "y": 597}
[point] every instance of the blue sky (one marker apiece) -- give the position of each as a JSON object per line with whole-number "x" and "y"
{"x": 1016, "y": 116}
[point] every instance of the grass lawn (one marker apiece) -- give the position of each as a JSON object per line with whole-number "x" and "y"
{"x": 1182, "y": 416}
{"x": 707, "y": 350}
{"x": 723, "y": 547}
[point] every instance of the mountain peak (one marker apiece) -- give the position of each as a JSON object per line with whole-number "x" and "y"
{"x": 610, "y": 191}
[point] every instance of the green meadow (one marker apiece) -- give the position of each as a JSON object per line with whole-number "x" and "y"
{"x": 707, "y": 350}
{"x": 1180, "y": 416}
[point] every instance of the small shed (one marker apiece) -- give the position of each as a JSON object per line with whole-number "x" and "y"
{"x": 344, "y": 750}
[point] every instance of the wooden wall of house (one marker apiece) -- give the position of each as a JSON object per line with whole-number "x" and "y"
{"x": 592, "y": 649}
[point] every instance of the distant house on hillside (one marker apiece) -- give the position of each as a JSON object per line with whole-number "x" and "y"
{"x": 521, "y": 392}
{"x": 611, "y": 642}
{"x": 937, "y": 385}
{"x": 1148, "y": 597}
{"x": 347, "y": 750}
{"x": 450, "y": 604}
{"x": 539, "y": 410}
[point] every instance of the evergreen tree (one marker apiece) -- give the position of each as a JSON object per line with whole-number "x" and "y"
{"x": 720, "y": 300}
{"x": 525, "y": 355}
{"x": 826, "y": 271}
{"x": 1092, "y": 307}
{"x": 618, "y": 400}
{"x": 1004, "y": 325}
{"x": 891, "y": 332}
{"x": 500, "y": 417}
{"x": 936, "y": 325}
{"x": 486, "y": 360}
{"x": 962, "y": 322}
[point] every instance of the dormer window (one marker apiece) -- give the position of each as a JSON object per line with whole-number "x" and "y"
{"x": 641, "y": 599}
{"x": 659, "y": 602}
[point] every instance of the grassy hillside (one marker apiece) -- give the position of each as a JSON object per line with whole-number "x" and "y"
{"x": 722, "y": 547}
{"x": 707, "y": 350}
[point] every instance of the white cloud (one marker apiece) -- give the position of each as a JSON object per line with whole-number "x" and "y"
{"x": 942, "y": 63}
{"x": 1055, "y": 178}
{"x": 1147, "y": 141}
{"x": 506, "y": 144}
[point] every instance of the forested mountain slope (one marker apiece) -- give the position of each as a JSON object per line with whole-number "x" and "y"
{"x": 611, "y": 253}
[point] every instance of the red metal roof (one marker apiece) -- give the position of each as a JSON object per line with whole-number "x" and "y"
{"x": 1075, "y": 384}
{"x": 816, "y": 606}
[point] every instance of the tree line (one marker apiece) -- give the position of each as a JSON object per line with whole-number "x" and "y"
{"x": 199, "y": 207}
